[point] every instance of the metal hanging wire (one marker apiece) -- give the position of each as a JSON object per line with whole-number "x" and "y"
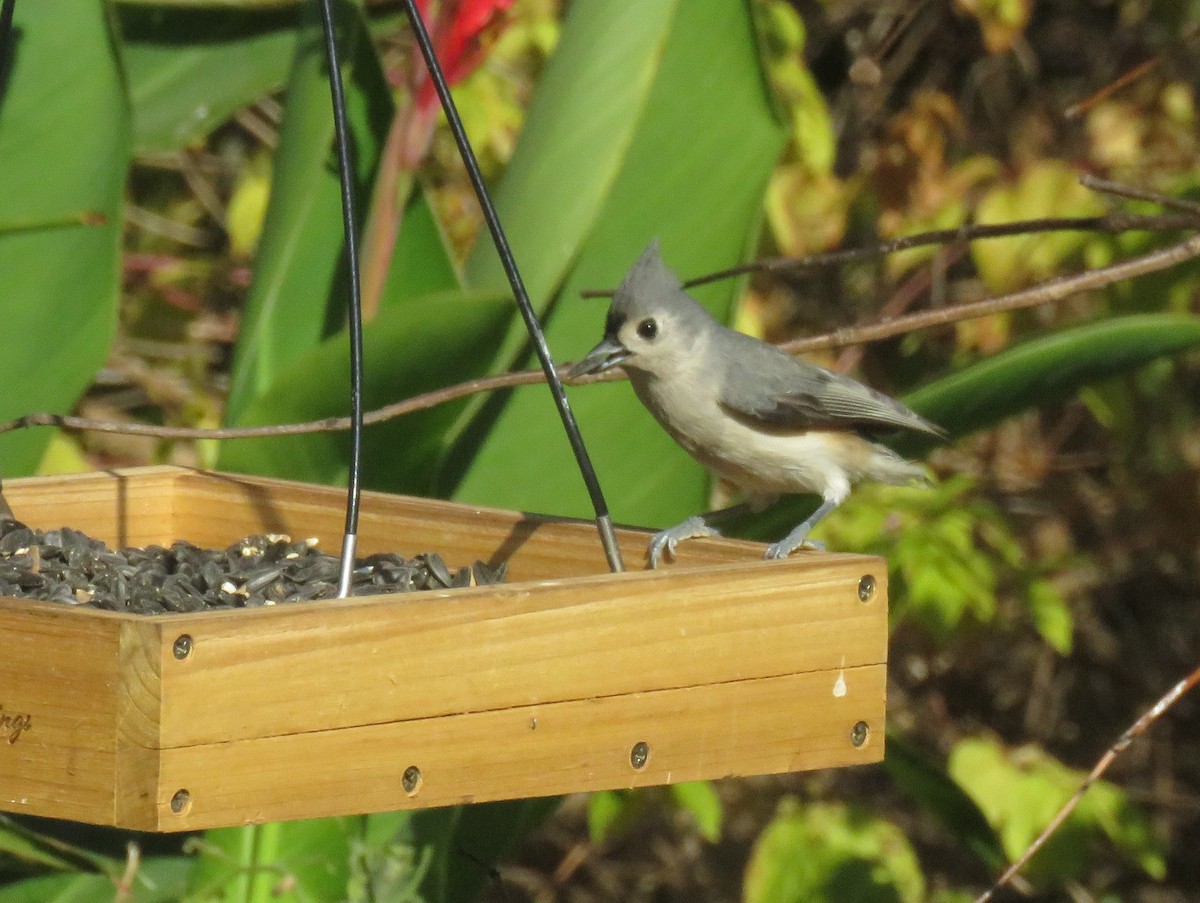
{"x": 582, "y": 459}
{"x": 341, "y": 131}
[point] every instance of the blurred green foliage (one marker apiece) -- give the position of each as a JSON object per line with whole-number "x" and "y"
{"x": 1020, "y": 790}
{"x": 832, "y": 852}
{"x": 697, "y": 122}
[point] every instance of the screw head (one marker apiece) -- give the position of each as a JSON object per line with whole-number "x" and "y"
{"x": 181, "y": 802}
{"x": 859, "y": 734}
{"x": 866, "y": 588}
{"x": 411, "y": 780}
{"x": 182, "y": 647}
{"x": 639, "y": 755}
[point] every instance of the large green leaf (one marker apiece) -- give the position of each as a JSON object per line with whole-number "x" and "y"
{"x": 422, "y": 345}
{"x": 293, "y": 862}
{"x": 575, "y": 136}
{"x": 1049, "y": 369}
{"x": 64, "y": 152}
{"x": 298, "y": 296}
{"x": 577, "y": 132}
{"x": 694, "y": 175}
{"x": 191, "y": 69}
{"x": 937, "y": 794}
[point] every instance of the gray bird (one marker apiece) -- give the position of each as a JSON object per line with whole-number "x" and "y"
{"x": 762, "y": 420}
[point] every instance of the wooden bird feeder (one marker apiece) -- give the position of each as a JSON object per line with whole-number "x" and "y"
{"x": 566, "y": 678}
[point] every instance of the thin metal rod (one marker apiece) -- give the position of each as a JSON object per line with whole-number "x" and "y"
{"x": 349, "y": 224}
{"x": 6, "y": 47}
{"x": 603, "y": 521}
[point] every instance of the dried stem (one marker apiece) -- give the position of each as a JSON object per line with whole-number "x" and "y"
{"x": 133, "y": 862}
{"x": 1134, "y": 731}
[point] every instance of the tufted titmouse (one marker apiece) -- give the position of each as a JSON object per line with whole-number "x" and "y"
{"x": 764, "y": 421}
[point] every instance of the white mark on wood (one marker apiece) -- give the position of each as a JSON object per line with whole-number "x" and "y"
{"x": 839, "y": 685}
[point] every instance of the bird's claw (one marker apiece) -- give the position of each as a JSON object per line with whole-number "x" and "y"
{"x": 667, "y": 540}
{"x": 784, "y": 548}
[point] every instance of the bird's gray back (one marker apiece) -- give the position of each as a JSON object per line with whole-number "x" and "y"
{"x": 764, "y": 386}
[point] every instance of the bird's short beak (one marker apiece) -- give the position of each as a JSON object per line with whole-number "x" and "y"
{"x": 603, "y": 357}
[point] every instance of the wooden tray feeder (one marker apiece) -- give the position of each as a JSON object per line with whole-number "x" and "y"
{"x": 566, "y": 678}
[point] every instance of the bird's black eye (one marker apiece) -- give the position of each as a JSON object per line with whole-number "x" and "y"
{"x": 648, "y": 329}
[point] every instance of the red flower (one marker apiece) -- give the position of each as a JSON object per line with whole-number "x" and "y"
{"x": 462, "y": 32}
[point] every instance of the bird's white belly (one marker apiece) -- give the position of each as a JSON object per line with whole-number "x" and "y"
{"x": 757, "y": 462}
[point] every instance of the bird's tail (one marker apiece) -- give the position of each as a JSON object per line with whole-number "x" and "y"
{"x": 886, "y": 466}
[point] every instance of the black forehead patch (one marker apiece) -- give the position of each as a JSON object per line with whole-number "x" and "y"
{"x": 613, "y": 323}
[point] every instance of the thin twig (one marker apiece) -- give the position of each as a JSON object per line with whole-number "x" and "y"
{"x": 1051, "y": 291}
{"x": 1121, "y": 190}
{"x": 1126, "y": 78}
{"x": 1135, "y": 730}
{"x": 133, "y": 862}
{"x": 1130, "y": 76}
{"x": 1110, "y": 223}
{"x": 903, "y": 298}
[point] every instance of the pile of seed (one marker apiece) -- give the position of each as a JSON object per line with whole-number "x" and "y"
{"x": 70, "y": 567}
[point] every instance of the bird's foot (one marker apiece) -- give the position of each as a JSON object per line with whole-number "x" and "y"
{"x": 792, "y": 543}
{"x": 667, "y": 540}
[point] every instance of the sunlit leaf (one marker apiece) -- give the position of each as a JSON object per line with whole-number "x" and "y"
{"x": 700, "y": 801}
{"x": 1051, "y": 616}
{"x": 64, "y": 151}
{"x": 417, "y": 347}
{"x": 1047, "y": 188}
{"x": 298, "y": 296}
{"x": 288, "y": 862}
{"x": 1021, "y": 790}
{"x": 189, "y": 70}
{"x": 1048, "y": 369}
{"x": 817, "y": 852}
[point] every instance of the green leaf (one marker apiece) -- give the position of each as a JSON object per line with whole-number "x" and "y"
{"x": 158, "y": 880}
{"x": 385, "y": 863}
{"x": 1021, "y": 790}
{"x": 1047, "y": 188}
{"x": 288, "y": 862}
{"x": 64, "y": 152}
{"x": 577, "y": 132}
{"x": 468, "y": 841}
{"x": 189, "y": 70}
{"x": 700, "y": 801}
{"x": 422, "y": 345}
{"x": 1051, "y": 616}
{"x": 818, "y": 852}
{"x": 694, "y": 174}
{"x": 22, "y": 847}
{"x": 926, "y": 783}
{"x": 1048, "y": 369}
{"x": 298, "y": 296}
{"x": 609, "y": 812}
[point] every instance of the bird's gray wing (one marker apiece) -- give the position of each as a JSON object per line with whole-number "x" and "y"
{"x": 764, "y": 386}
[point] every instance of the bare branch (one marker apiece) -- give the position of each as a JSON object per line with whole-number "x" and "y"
{"x": 1112, "y": 223}
{"x": 1134, "y": 731}
{"x": 1121, "y": 190}
{"x": 1049, "y": 292}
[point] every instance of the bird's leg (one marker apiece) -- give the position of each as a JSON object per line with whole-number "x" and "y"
{"x": 694, "y": 527}
{"x": 799, "y": 535}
